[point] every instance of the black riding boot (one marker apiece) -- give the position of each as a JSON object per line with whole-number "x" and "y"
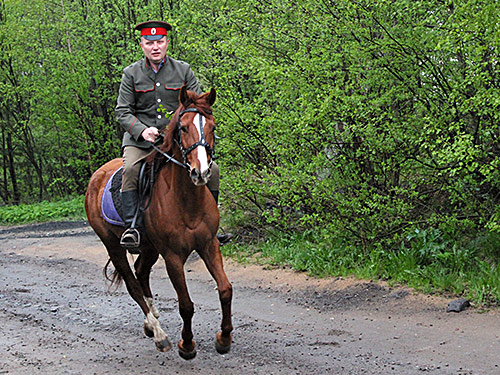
{"x": 131, "y": 238}
{"x": 226, "y": 237}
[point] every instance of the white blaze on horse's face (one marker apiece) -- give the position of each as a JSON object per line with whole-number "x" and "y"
{"x": 201, "y": 178}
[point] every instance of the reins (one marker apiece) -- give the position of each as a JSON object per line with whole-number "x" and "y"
{"x": 168, "y": 157}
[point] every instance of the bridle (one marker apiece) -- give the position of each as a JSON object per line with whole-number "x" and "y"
{"x": 185, "y": 151}
{"x": 202, "y": 142}
{"x": 148, "y": 183}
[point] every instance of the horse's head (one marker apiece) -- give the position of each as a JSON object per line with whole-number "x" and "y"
{"x": 194, "y": 133}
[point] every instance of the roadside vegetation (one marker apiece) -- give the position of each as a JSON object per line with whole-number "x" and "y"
{"x": 356, "y": 137}
{"x": 46, "y": 211}
{"x": 427, "y": 261}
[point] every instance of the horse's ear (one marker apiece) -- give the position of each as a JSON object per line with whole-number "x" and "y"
{"x": 184, "y": 98}
{"x": 211, "y": 97}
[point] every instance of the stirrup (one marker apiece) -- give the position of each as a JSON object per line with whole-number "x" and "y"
{"x": 131, "y": 239}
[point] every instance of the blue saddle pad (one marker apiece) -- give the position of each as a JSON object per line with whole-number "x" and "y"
{"x": 111, "y": 205}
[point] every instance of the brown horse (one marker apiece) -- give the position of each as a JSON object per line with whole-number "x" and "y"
{"x": 182, "y": 216}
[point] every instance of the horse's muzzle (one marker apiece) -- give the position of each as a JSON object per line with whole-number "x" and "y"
{"x": 200, "y": 179}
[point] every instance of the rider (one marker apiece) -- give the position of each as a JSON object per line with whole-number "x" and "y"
{"x": 148, "y": 91}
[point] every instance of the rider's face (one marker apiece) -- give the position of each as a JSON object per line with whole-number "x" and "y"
{"x": 154, "y": 50}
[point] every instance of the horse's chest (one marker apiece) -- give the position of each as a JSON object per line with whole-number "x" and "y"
{"x": 187, "y": 233}
{"x": 187, "y": 226}
{"x": 190, "y": 239}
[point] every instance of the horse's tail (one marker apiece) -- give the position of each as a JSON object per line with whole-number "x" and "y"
{"x": 115, "y": 278}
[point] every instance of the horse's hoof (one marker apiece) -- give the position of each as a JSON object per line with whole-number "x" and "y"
{"x": 222, "y": 346}
{"x": 222, "y": 349}
{"x": 164, "y": 345}
{"x": 187, "y": 355}
{"x": 148, "y": 332}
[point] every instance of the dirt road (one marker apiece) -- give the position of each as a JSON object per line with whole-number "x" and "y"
{"x": 58, "y": 317}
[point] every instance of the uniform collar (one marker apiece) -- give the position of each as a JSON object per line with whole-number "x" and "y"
{"x": 146, "y": 62}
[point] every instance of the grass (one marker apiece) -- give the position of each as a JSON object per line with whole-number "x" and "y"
{"x": 426, "y": 262}
{"x": 67, "y": 209}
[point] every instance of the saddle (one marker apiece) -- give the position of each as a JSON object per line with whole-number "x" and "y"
{"x": 111, "y": 202}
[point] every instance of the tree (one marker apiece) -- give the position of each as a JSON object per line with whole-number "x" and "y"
{"x": 362, "y": 119}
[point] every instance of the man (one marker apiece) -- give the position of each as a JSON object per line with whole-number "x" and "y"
{"x": 149, "y": 87}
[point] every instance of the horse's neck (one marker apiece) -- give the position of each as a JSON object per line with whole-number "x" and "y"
{"x": 182, "y": 188}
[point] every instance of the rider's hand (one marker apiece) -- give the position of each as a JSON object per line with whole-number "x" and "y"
{"x": 150, "y": 134}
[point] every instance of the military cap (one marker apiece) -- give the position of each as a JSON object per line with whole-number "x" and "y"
{"x": 153, "y": 30}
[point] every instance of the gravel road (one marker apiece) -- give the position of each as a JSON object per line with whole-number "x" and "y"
{"x": 60, "y": 317}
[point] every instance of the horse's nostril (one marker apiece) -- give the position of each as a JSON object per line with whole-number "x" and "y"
{"x": 194, "y": 173}
{"x": 206, "y": 174}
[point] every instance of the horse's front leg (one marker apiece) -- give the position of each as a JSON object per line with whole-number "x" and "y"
{"x": 175, "y": 269}
{"x": 213, "y": 261}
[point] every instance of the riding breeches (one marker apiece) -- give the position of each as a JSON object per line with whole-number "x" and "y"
{"x": 132, "y": 161}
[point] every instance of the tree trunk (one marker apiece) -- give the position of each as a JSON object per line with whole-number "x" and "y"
{"x": 16, "y": 195}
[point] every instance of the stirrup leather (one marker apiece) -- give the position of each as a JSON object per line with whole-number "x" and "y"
{"x": 131, "y": 238}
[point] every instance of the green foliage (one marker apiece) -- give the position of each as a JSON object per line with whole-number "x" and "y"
{"x": 360, "y": 118}
{"x": 427, "y": 261}
{"x": 67, "y": 209}
{"x": 59, "y": 88}
{"x": 360, "y": 121}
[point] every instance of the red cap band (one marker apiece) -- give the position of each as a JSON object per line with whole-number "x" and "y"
{"x": 153, "y": 31}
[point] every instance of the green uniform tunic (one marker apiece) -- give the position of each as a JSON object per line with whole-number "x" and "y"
{"x": 143, "y": 93}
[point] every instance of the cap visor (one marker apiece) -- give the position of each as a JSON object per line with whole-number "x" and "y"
{"x": 153, "y": 37}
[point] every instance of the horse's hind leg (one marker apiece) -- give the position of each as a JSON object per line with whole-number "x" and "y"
{"x": 213, "y": 260}
{"x": 175, "y": 269}
{"x": 143, "y": 266}
{"x": 119, "y": 258}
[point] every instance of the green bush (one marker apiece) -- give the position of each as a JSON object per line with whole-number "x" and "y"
{"x": 364, "y": 119}
{"x": 344, "y": 125}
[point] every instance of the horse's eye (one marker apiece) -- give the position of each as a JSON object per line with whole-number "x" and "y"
{"x": 184, "y": 129}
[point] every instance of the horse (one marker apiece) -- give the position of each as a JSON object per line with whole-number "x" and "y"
{"x": 182, "y": 217}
